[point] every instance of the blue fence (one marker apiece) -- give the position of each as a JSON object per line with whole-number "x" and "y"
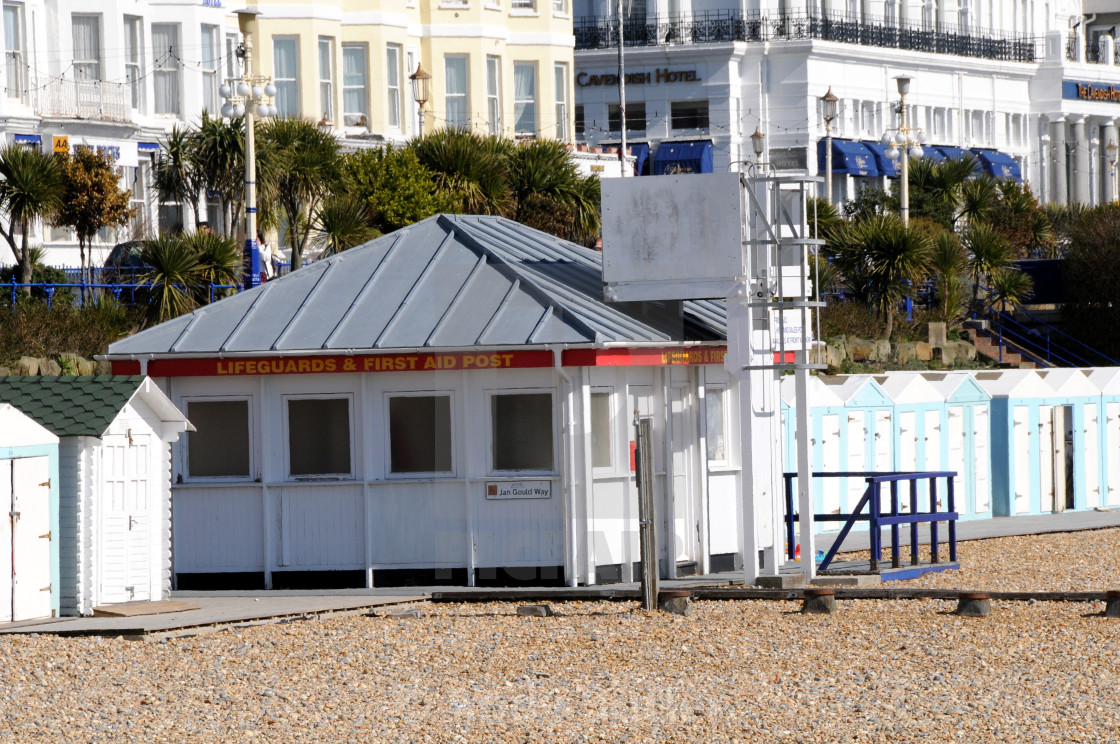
{"x": 877, "y": 518}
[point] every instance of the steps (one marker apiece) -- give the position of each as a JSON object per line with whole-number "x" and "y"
{"x": 988, "y": 348}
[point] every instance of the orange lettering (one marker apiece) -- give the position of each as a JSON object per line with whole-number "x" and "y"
{"x": 330, "y": 365}
{"x": 303, "y": 365}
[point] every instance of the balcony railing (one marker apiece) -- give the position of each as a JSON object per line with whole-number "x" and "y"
{"x": 84, "y": 99}
{"x": 728, "y": 25}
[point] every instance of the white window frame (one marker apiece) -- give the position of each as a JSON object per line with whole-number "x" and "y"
{"x": 293, "y": 81}
{"x": 560, "y": 80}
{"x": 612, "y": 466}
{"x": 165, "y": 67}
{"x": 326, "y": 77}
{"x": 94, "y": 63}
{"x": 534, "y": 101}
{"x": 185, "y": 462}
{"x": 364, "y": 87}
{"x": 523, "y": 7}
{"x": 15, "y": 56}
{"x": 560, "y": 8}
{"x": 388, "y": 449}
{"x": 494, "y": 93}
{"x": 465, "y": 95}
{"x": 393, "y": 86}
{"x": 722, "y": 390}
{"x": 490, "y": 394}
{"x": 355, "y": 453}
{"x": 211, "y": 67}
{"x": 233, "y": 62}
{"x": 134, "y": 59}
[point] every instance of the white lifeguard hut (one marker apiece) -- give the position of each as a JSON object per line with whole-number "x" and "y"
{"x": 742, "y": 237}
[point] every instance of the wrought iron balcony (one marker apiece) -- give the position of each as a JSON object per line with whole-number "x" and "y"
{"x": 727, "y": 25}
{"x": 84, "y": 99}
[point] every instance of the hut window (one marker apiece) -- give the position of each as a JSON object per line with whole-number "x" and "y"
{"x": 219, "y": 448}
{"x": 717, "y": 431}
{"x": 601, "y": 430}
{"x": 420, "y": 434}
{"x": 318, "y": 436}
{"x": 522, "y": 431}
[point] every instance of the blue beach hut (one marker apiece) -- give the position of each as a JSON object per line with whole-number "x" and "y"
{"x": 966, "y": 434}
{"x": 1107, "y": 380}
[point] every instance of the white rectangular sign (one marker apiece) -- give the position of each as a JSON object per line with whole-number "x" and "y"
{"x": 787, "y": 326}
{"x": 519, "y": 490}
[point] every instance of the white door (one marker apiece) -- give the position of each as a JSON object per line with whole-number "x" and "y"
{"x": 1046, "y": 457}
{"x": 830, "y": 451}
{"x": 1092, "y": 457}
{"x": 30, "y": 543}
{"x": 858, "y": 431}
{"x": 5, "y": 541}
{"x": 982, "y": 488}
{"x": 685, "y": 529}
{"x": 931, "y": 445}
{"x": 1112, "y": 452}
{"x": 127, "y": 505}
{"x": 1021, "y": 421}
{"x": 956, "y": 460}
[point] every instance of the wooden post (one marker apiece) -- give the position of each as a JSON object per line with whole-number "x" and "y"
{"x": 647, "y": 534}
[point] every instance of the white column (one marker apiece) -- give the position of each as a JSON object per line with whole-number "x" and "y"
{"x": 1058, "y": 191}
{"x": 1080, "y": 170}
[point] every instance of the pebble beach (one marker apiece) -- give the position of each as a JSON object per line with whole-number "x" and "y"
{"x": 734, "y": 671}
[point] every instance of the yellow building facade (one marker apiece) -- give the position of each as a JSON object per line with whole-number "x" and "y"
{"x": 497, "y": 66}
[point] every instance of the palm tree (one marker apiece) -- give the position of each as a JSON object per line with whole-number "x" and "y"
{"x": 219, "y": 155}
{"x": 549, "y": 193}
{"x": 949, "y": 265}
{"x": 298, "y": 165}
{"x": 172, "y": 275}
{"x": 177, "y": 175}
{"x": 978, "y": 197}
{"x": 896, "y": 258}
{"x": 341, "y": 223}
{"x": 220, "y": 262}
{"x": 988, "y": 251}
{"x": 31, "y": 189}
{"x": 1008, "y": 288}
{"x": 470, "y": 170}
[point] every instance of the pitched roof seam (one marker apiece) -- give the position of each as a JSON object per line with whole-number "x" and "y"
{"x": 245, "y": 318}
{"x": 455, "y": 302}
{"x": 513, "y": 287}
{"x": 369, "y": 285}
{"x": 303, "y": 306}
{"x": 549, "y": 311}
{"x": 415, "y": 288}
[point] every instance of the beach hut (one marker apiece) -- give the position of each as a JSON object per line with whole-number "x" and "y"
{"x": 917, "y": 427}
{"x": 1076, "y": 416}
{"x": 853, "y": 435}
{"x": 114, "y": 490}
{"x": 1038, "y": 462}
{"x": 28, "y": 518}
{"x": 966, "y": 433}
{"x": 1107, "y": 380}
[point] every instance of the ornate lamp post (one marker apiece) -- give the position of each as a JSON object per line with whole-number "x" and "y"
{"x": 758, "y": 140}
{"x": 249, "y": 96}
{"x": 421, "y": 91}
{"x": 906, "y": 142}
{"x": 828, "y": 109}
{"x": 1110, "y": 152}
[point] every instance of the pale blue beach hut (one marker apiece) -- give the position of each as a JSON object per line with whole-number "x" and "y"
{"x": 1107, "y": 380}
{"x": 966, "y": 435}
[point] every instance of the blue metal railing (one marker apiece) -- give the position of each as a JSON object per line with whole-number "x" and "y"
{"x": 877, "y": 519}
{"x": 1050, "y": 350}
{"x": 86, "y": 290}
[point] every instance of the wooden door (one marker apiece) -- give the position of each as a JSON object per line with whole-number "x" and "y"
{"x": 127, "y": 511}
{"x": 965, "y": 502}
{"x": 684, "y": 527}
{"x": 30, "y": 520}
{"x": 981, "y": 459}
{"x": 1091, "y": 443}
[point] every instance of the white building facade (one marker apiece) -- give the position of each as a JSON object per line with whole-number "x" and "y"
{"x": 1031, "y": 87}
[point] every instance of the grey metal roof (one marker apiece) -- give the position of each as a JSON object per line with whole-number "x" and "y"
{"x": 450, "y": 281}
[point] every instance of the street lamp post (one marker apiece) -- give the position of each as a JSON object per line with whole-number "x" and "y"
{"x": 249, "y": 96}
{"x": 1110, "y": 151}
{"x": 908, "y": 144}
{"x": 421, "y": 91}
{"x": 828, "y": 109}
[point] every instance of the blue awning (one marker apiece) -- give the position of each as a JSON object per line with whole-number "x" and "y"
{"x": 27, "y": 139}
{"x": 147, "y": 146}
{"x": 640, "y": 151}
{"x": 849, "y": 157}
{"x": 887, "y": 166}
{"x": 948, "y": 152}
{"x": 998, "y": 164}
{"x": 683, "y": 157}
